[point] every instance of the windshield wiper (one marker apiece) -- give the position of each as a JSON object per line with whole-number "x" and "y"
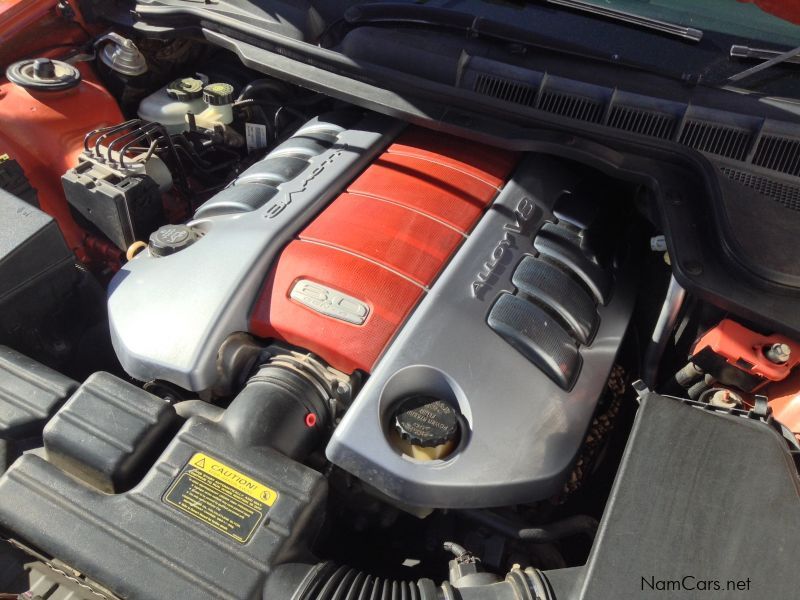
{"x": 738, "y": 51}
{"x": 687, "y": 33}
{"x": 775, "y": 60}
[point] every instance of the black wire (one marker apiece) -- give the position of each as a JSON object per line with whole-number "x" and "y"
{"x": 245, "y": 104}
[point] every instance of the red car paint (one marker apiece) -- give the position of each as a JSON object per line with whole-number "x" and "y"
{"x": 788, "y": 10}
{"x": 784, "y": 398}
{"x": 383, "y": 242}
{"x": 44, "y": 131}
{"x": 744, "y": 349}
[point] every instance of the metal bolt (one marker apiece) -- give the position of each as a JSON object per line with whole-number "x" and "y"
{"x": 779, "y": 353}
{"x": 658, "y": 243}
{"x": 725, "y": 399}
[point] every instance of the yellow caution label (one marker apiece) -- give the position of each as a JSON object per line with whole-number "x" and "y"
{"x": 220, "y": 496}
{"x": 234, "y": 478}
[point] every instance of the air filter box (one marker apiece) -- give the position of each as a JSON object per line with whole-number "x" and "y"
{"x": 37, "y": 276}
{"x": 210, "y": 518}
{"x": 35, "y": 262}
{"x": 29, "y": 395}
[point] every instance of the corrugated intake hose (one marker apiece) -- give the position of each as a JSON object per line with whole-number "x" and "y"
{"x": 332, "y": 582}
{"x": 328, "y": 581}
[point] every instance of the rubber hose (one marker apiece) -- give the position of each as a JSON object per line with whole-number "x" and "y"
{"x": 334, "y": 582}
{"x": 187, "y": 409}
{"x": 328, "y": 581}
{"x": 259, "y": 107}
{"x": 688, "y": 375}
{"x": 701, "y": 386}
{"x": 256, "y": 102}
{"x": 273, "y": 409}
{"x": 272, "y": 87}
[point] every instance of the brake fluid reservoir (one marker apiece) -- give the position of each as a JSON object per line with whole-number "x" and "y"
{"x": 218, "y": 98}
{"x": 170, "y": 104}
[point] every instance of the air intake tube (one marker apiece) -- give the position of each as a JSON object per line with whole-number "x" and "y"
{"x": 328, "y": 581}
{"x": 283, "y": 406}
{"x": 286, "y": 406}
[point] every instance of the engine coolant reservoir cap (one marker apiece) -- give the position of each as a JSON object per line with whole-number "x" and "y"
{"x": 43, "y": 74}
{"x": 169, "y": 239}
{"x": 426, "y": 422}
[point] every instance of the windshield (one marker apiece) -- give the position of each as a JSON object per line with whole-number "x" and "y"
{"x": 773, "y": 21}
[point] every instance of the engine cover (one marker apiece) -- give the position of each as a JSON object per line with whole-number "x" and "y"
{"x": 169, "y": 315}
{"x": 421, "y": 260}
{"x": 344, "y": 287}
{"x": 519, "y": 333}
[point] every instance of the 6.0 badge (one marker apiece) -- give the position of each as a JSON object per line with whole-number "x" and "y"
{"x": 329, "y": 302}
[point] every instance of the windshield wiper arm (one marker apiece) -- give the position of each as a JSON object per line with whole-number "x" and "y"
{"x": 759, "y": 53}
{"x": 738, "y": 51}
{"x": 775, "y": 60}
{"x": 687, "y": 33}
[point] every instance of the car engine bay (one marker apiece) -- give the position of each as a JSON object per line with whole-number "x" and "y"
{"x": 259, "y": 341}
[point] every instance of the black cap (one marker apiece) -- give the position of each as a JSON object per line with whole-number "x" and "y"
{"x": 217, "y": 94}
{"x": 169, "y": 239}
{"x": 43, "y": 74}
{"x": 185, "y": 88}
{"x": 426, "y": 421}
{"x": 44, "y": 68}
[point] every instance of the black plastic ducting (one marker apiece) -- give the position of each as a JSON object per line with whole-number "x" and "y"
{"x": 108, "y": 432}
{"x": 329, "y": 581}
{"x": 29, "y": 395}
{"x": 138, "y": 531}
{"x": 332, "y": 582}
{"x": 271, "y": 411}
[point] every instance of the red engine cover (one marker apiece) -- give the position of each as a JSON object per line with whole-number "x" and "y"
{"x": 378, "y": 247}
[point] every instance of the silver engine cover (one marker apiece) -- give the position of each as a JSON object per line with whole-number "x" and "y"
{"x": 169, "y": 315}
